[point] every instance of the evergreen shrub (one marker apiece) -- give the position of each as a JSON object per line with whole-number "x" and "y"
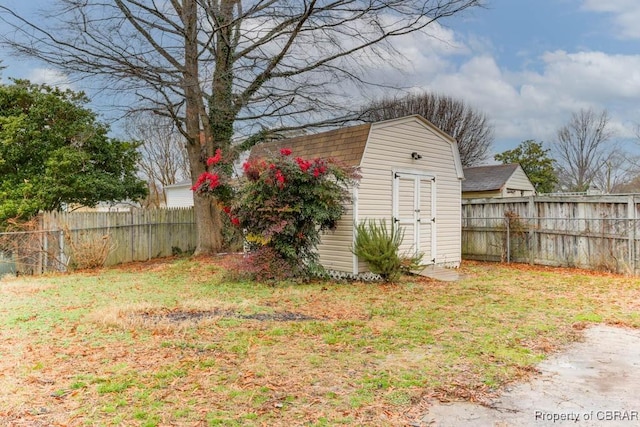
{"x": 379, "y": 246}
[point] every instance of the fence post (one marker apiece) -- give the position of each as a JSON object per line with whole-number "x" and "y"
{"x": 531, "y": 213}
{"x": 41, "y": 252}
{"x": 63, "y": 261}
{"x": 508, "y": 221}
{"x": 631, "y": 232}
{"x": 45, "y": 250}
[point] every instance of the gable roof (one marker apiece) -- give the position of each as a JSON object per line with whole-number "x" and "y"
{"x": 344, "y": 144}
{"x": 347, "y": 144}
{"x": 487, "y": 178}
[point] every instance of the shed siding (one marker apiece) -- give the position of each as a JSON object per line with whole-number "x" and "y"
{"x": 334, "y": 249}
{"x": 390, "y": 146}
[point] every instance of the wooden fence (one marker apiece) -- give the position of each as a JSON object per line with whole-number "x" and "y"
{"x": 84, "y": 239}
{"x": 593, "y": 232}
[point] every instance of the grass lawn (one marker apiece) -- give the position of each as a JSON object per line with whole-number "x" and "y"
{"x": 173, "y": 343}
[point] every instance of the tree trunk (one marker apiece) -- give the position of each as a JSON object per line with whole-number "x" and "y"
{"x": 199, "y": 144}
{"x": 207, "y": 215}
{"x": 208, "y": 226}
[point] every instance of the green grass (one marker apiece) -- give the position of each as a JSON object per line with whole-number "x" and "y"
{"x": 92, "y": 349}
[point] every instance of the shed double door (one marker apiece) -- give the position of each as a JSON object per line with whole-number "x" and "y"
{"x": 414, "y": 202}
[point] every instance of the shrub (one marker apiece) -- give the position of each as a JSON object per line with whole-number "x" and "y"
{"x": 379, "y": 247}
{"x": 87, "y": 249}
{"x": 263, "y": 264}
{"x": 284, "y": 203}
{"x": 216, "y": 181}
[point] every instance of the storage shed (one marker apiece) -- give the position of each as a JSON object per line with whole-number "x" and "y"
{"x": 508, "y": 180}
{"x": 411, "y": 174}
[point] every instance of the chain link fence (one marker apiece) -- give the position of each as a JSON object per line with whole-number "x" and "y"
{"x": 62, "y": 241}
{"x": 31, "y": 252}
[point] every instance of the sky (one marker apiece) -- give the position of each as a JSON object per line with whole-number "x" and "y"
{"x": 527, "y": 64}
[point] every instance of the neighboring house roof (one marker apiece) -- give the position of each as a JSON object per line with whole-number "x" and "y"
{"x": 487, "y": 178}
{"x": 344, "y": 144}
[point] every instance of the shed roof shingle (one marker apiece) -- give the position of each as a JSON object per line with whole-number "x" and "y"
{"x": 487, "y": 178}
{"x": 344, "y": 144}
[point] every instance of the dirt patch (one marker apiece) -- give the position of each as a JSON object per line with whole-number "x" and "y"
{"x": 178, "y": 316}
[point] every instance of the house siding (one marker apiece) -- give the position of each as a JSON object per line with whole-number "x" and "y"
{"x": 520, "y": 183}
{"x": 481, "y": 194}
{"x": 179, "y": 196}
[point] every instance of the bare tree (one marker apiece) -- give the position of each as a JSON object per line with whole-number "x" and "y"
{"x": 583, "y": 149}
{"x": 616, "y": 173}
{"x": 217, "y": 67}
{"x": 469, "y": 127}
{"x": 164, "y": 158}
{"x": 628, "y": 178}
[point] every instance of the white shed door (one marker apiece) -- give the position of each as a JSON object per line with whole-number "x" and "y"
{"x": 414, "y": 211}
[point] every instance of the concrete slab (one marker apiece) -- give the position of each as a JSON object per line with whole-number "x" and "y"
{"x": 592, "y": 383}
{"x": 439, "y": 273}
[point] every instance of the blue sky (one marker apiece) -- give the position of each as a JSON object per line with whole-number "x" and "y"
{"x": 528, "y": 64}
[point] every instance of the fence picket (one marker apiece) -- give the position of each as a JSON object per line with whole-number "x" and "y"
{"x": 593, "y": 232}
{"x": 127, "y": 236}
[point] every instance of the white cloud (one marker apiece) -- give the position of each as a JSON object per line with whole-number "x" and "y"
{"x": 624, "y": 13}
{"x": 418, "y": 53}
{"x": 571, "y": 81}
{"x": 596, "y": 77}
{"x": 50, "y": 77}
{"x": 534, "y": 104}
{"x": 404, "y": 66}
{"x": 528, "y": 103}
